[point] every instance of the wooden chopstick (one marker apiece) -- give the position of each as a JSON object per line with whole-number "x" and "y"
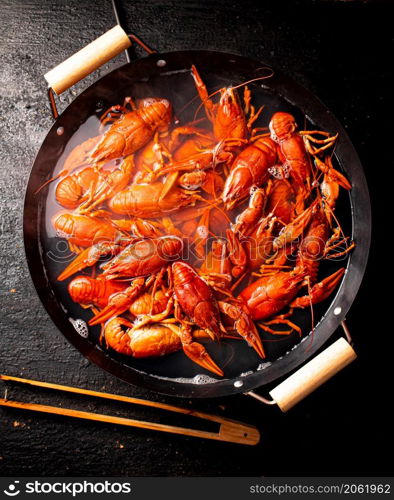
{"x": 229, "y": 430}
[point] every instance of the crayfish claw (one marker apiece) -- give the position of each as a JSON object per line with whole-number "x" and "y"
{"x": 244, "y": 326}
{"x": 106, "y": 314}
{"x": 88, "y": 258}
{"x": 198, "y": 354}
{"x": 119, "y": 302}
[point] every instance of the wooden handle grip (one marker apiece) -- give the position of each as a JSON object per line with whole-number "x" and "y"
{"x": 313, "y": 374}
{"x": 87, "y": 59}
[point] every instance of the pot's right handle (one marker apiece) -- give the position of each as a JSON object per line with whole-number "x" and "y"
{"x": 311, "y": 376}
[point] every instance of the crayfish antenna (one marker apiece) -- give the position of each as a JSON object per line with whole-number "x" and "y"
{"x": 153, "y": 318}
{"x": 60, "y": 174}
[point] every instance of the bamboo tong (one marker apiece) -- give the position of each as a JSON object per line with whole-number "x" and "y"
{"x": 229, "y": 430}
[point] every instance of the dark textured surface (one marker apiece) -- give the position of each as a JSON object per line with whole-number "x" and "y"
{"x": 331, "y": 49}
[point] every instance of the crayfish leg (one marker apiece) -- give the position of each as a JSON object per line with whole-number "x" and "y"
{"x": 280, "y": 321}
{"x": 320, "y": 291}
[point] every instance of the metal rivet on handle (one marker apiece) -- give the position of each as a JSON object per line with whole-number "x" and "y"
{"x": 161, "y": 63}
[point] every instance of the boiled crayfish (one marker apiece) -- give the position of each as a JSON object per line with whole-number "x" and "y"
{"x": 208, "y": 230}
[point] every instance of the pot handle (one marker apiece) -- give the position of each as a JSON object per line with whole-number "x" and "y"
{"x": 87, "y": 60}
{"x": 311, "y": 376}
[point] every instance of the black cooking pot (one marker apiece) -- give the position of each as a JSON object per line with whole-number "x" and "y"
{"x": 165, "y": 75}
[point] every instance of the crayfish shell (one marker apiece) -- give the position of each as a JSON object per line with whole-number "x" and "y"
{"x": 133, "y": 130}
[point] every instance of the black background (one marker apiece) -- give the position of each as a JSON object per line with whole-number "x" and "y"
{"x": 341, "y": 51}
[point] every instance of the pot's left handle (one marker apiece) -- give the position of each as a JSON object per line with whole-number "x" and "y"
{"x": 87, "y": 60}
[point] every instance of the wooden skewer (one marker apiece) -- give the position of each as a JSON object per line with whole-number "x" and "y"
{"x": 229, "y": 430}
